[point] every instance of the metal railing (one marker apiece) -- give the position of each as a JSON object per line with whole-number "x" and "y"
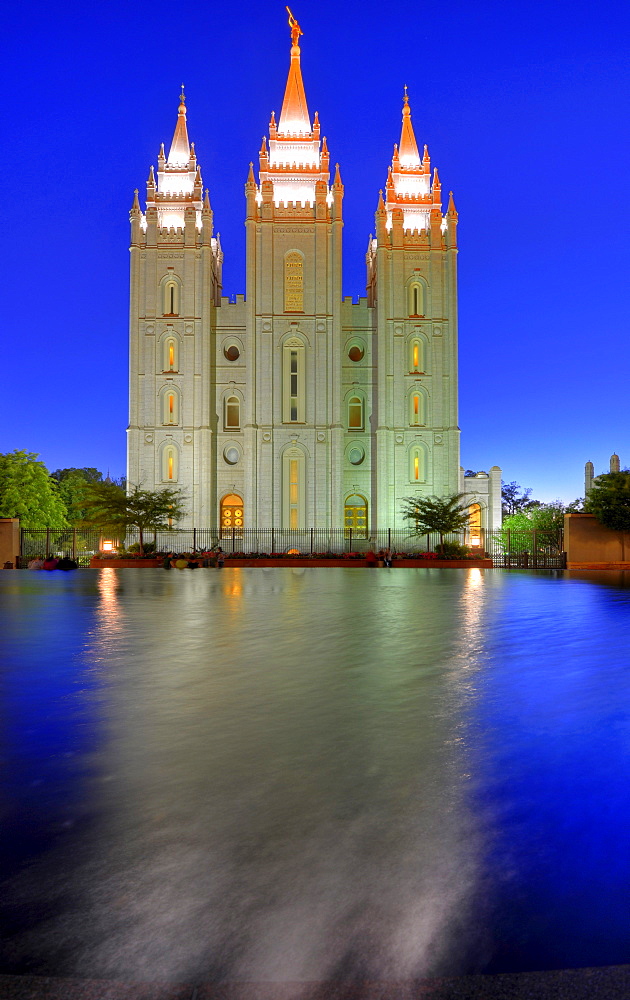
{"x": 507, "y": 548}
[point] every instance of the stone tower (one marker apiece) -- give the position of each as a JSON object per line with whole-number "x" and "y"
{"x": 412, "y": 294}
{"x": 175, "y": 284}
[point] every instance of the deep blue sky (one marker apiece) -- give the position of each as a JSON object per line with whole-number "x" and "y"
{"x": 524, "y": 107}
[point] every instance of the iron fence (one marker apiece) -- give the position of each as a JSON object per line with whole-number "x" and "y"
{"x": 73, "y": 543}
{"x": 507, "y": 548}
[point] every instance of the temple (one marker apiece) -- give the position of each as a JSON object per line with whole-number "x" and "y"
{"x": 293, "y": 407}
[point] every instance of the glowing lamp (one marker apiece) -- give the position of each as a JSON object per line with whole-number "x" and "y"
{"x": 475, "y": 541}
{"x": 108, "y": 545}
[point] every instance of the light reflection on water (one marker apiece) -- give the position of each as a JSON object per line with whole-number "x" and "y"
{"x": 275, "y": 774}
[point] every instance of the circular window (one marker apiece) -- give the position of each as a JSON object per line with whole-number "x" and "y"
{"x": 356, "y": 455}
{"x": 356, "y": 353}
{"x": 232, "y": 352}
{"x": 231, "y": 455}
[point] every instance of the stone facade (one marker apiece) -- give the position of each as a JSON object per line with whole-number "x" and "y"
{"x": 293, "y": 407}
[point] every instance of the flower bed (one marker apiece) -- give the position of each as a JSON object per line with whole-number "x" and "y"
{"x": 352, "y": 559}
{"x": 151, "y": 562}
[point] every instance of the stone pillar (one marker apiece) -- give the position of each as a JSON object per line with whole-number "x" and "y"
{"x": 9, "y": 541}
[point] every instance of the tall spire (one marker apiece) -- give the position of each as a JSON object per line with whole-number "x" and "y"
{"x": 180, "y": 148}
{"x": 294, "y": 118}
{"x": 408, "y": 149}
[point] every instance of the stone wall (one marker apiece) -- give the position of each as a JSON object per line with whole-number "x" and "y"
{"x": 589, "y": 545}
{"x": 9, "y": 540}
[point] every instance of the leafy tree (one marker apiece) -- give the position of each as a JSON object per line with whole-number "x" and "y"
{"x": 28, "y": 492}
{"x": 547, "y": 518}
{"x": 513, "y": 502}
{"x": 108, "y": 506}
{"x": 609, "y": 500}
{"x": 471, "y": 472}
{"x": 89, "y": 475}
{"x": 72, "y": 483}
{"x": 441, "y": 514}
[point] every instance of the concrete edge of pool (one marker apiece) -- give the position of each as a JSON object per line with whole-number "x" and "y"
{"x": 603, "y": 983}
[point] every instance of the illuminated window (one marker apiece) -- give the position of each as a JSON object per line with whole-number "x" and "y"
{"x": 474, "y": 524}
{"x": 293, "y": 282}
{"x": 171, "y": 408}
{"x": 416, "y": 356}
{"x": 294, "y": 492}
{"x": 417, "y": 415}
{"x": 293, "y": 385}
{"x": 170, "y": 355}
{"x": 171, "y": 297}
{"x": 232, "y": 413}
{"x": 355, "y": 516}
{"x": 355, "y": 414}
{"x": 293, "y": 498}
{"x": 417, "y": 465}
{"x": 416, "y": 299}
{"x": 169, "y": 464}
{"x": 232, "y": 515}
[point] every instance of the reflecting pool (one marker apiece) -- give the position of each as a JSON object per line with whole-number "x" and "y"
{"x": 280, "y": 774}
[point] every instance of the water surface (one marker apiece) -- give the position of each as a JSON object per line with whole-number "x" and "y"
{"x": 276, "y": 774}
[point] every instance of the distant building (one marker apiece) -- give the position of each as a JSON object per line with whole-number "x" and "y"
{"x": 589, "y": 473}
{"x": 290, "y": 406}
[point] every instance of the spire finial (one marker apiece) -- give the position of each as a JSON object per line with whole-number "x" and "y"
{"x": 406, "y": 96}
{"x": 296, "y": 31}
{"x": 182, "y": 100}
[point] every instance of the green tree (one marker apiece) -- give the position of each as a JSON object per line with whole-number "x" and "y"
{"x": 108, "y": 506}
{"x": 72, "y": 483}
{"x": 28, "y": 492}
{"x": 609, "y": 500}
{"x": 547, "y": 519}
{"x": 441, "y": 514}
{"x": 515, "y": 502}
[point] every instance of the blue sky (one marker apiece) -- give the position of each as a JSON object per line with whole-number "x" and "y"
{"x": 523, "y": 107}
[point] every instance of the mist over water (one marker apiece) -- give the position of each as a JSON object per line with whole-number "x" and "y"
{"x": 276, "y": 774}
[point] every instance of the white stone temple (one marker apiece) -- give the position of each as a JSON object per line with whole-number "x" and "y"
{"x": 293, "y": 407}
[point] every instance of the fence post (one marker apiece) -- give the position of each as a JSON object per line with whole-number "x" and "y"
{"x": 74, "y": 543}
{"x": 47, "y": 541}
{"x": 350, "y": 540}
{"x": 194, "y": 539}
{"x": 233, "y": 537}
{"x": 509, "y": 547}
{"x": 311, "y": 541}
{"x": 534, "y": 550}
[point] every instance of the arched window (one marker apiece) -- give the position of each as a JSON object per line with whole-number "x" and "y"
{"x": 417, "y": 415}
{"x": 293, "y": 282}
{"x": 293, "y": 383}
{"x": 232, "y": 413}
{"x": 170, "y": 406}
{"x": 171, "y": 355}
{"x": 170, "y": 469}
{"x": 293, "y": 488}
{"x": 416, "y": 355}
{"x": 474, "y": 524}
{"x": 232, "y": 515}
{"x": 417, "y": 464}
{"x": 416, "y": 299}
{"x": 355, "y": 516}
{"x": 171, "y": 292}
{"x": 356, "y": 419}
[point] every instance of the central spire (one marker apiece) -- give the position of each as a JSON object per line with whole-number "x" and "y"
{"x": 179, "y": 154}
{"x": 294, "y": 117}
{"x": 408, "y": 150}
